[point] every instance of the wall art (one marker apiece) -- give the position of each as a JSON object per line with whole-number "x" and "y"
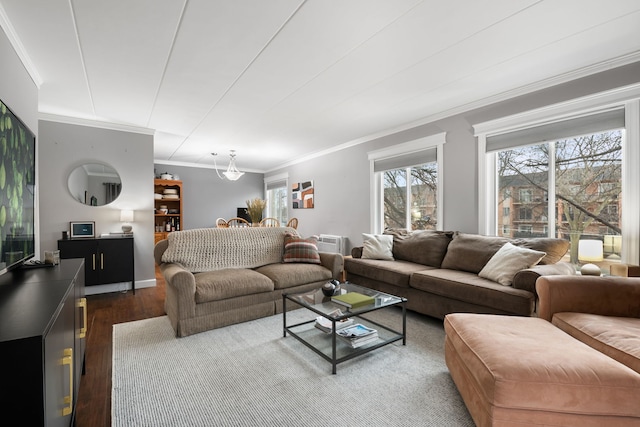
{"x": 302, "y": 195}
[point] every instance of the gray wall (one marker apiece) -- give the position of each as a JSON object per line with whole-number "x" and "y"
{"x": 207, "y": 197}
{"x": 66, "y": 146}
{"x": 341, "y": 179}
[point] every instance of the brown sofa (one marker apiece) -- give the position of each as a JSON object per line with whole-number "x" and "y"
{"x": 437, "y": 271}
{"x": 221, "y": 276}
{"x": 579, "y": 364}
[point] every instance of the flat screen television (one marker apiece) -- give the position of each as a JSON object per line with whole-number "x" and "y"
{"x": 17, "y": 190}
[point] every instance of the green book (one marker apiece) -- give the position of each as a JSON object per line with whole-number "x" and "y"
{"x": 353, "y": 299}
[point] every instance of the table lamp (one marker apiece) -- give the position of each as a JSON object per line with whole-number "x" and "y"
{"x": 126, "y": 216}
{"x": 590, "y": 251}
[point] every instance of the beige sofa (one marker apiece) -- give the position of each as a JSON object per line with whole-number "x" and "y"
{"x": 578, "y": 364}
{"x": 438, "y": 272}
{"x": 221, "y": 276}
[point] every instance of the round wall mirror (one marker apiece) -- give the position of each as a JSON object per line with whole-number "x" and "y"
{"x": 94, "y": 184}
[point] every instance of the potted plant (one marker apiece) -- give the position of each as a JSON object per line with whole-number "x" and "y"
{"x": 254, "y": 209}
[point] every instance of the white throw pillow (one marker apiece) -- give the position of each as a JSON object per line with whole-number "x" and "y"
{"x": 509, "y": 259}
{"x": 377, "y": 246}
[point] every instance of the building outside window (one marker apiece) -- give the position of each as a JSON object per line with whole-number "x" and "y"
{"x": 406, "y": 185}
{"x": 414, "y": 207}
{"x": 573, "y": 166}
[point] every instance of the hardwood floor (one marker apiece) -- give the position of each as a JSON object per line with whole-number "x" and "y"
{"x": 93, "y": 408}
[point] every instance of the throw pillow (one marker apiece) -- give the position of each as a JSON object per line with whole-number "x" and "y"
{"x": 509, "y": 259}
{"x": 377, "y": 246}
{"x": 471, "y": 252}
{"x": 297, "y": 249}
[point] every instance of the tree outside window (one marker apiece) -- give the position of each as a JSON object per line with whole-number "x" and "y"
{"x": 586, "y": 171}
{"x": 415, "y": 207}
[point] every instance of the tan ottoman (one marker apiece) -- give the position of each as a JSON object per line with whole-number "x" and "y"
{"x": 517, "y": 371}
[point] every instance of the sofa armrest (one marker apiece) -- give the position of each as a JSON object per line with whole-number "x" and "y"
{"x": 334, "y": 262}
{"x": 159, "y": 249}
{"x": 180, "y": 290}
{"x": 526, "y": 279}
{"x": 606, "y": 296}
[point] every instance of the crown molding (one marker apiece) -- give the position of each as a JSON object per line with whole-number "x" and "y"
{"x": 17, "y": 45}
{"x": 484, "y": 102}
{"x": 95, "y": 123}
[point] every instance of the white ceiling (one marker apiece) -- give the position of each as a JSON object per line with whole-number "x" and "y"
{"x": 280, "y": 80}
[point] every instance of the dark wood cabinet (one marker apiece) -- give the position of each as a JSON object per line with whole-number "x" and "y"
{"x": 107, "y": 260}
{"x": 42, "y": 316}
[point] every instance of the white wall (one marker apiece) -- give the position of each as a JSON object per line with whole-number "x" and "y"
{"x": 66, "y": 146}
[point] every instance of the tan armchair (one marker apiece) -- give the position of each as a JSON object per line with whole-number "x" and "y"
{"x": 605, "y": 296}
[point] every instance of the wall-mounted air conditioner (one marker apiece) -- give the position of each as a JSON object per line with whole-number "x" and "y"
{"x": 331, "y": 243}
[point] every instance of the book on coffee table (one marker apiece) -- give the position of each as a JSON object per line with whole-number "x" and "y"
{"x": 326, "y": 325}
{"x": 353, "y": 299}
{"x": 357, "y": 335}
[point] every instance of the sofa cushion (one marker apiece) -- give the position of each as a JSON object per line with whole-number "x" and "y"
{"x": 289, "y": 275}
{"x": 554, "y": 248}
{"x": 471, "y": 252}
{"x": 509, "y": 259}
{"x": 617, "y": 337}
{"x": 468, "y": 287}
{"x": 297, "y": 249}
{"x": 427, "y": 247}
{"x": 377, "y": 246}
{"x": 228, "y": 283}
{"x": 395, "y": 272}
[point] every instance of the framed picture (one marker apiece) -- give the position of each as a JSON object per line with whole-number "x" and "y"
{"x": 302, "y": 195}
{"x": 82, "y": 229}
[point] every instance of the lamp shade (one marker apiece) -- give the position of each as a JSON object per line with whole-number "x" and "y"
{"x": 590, "y": 251}
{"x": 126, "y": 215}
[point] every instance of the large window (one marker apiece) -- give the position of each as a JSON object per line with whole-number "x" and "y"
{"x": 586, "y": 173}
{"x": 413, "y": 207}
{"x": 568, "y": 171}
{"x": 406, "y": 184}
{"x": 276, "y": 195}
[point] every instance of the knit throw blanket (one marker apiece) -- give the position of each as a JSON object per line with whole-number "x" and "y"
{"x": 208, "y": 249}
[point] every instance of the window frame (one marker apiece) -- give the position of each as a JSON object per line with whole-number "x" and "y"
{"x": 275, "y": 179}
{"x": 376, "y": 209}
{"x": 627, "y": 97}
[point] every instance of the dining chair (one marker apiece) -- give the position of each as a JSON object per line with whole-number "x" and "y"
{"x": 221, "y": 223}
{"x": 270, "y": 222}
{"x": 238, "y": 222}
{"x": 293, "y": 223}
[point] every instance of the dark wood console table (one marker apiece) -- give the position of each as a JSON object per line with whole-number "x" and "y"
{"x": 107, "y": 259}
{"x": 43, "y": 324}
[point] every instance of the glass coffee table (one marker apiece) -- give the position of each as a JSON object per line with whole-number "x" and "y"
{"x": 327, "y": 344}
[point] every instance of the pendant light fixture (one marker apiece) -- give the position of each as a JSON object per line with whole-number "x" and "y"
{"x": 232, "y": 173}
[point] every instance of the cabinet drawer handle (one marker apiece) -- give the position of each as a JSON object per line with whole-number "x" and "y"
{"x": 101, "y": 261}
{"x": 67, "y": 359}
{"x": 94, "y": 260}
{"x": 82, "y": 304}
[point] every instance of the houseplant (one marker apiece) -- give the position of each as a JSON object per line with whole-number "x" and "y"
{"x": 255, "y": 208}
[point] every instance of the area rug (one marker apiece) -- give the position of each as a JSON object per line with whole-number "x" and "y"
{"x": 250, "y": 375}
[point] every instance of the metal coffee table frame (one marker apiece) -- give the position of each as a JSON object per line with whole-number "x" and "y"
{"x": 327, "y": 345}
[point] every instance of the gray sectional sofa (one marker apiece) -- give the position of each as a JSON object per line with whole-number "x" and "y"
{"x": 438, "y": 272}
{"x": 221, "y": 276}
